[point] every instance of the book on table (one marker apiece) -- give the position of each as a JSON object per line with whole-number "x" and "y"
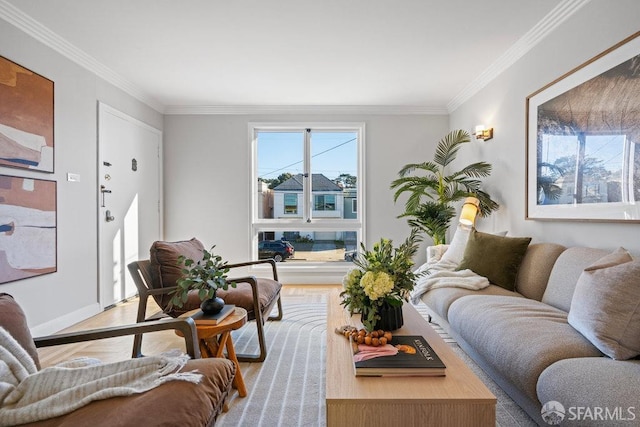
{"x": 213, "y": 319}
{"x": 415, "y": 357}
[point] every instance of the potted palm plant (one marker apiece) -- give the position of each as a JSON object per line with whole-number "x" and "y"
{"x": 205, "y": 276}
{"x": 429, "y": 206}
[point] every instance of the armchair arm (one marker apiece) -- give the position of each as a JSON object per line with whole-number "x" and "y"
{"x": 251, "y": 280}
{"x": 185, "y": 325}
{"x": 261, "y": 261}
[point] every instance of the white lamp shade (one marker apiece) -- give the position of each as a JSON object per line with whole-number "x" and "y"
{"x": 469, "y": 211}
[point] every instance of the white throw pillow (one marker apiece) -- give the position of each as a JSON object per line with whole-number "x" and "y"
{"x": 606, "y": 305}
{"x": 455, "y": 252}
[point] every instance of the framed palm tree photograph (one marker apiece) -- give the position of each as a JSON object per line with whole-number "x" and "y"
{"x": 583, "y": 140}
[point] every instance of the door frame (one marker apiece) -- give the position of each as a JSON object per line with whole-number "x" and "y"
{"x": 104, "y": 109}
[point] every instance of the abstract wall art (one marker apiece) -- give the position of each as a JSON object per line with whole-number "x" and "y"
{"x": 28, "y": 227}
{"x": 26, "y": 118}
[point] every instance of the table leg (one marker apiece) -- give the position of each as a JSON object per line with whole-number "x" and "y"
{"x": 238, "y": 381}
{"x": 204, "y": 349}
{"x": 224, "y": 337}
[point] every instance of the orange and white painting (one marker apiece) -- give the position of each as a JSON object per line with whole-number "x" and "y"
{"x": 26, "y": 118}
{"x": 27, "y": 227}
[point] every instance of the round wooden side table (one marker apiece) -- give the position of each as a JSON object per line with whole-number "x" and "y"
{"x": 213, "y": 339}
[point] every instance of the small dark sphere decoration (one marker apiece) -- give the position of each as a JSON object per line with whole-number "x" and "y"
{"x": 212, "y": 305}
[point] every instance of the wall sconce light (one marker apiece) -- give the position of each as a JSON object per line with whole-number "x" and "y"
{"x": 483, "y": 134}
{"x": 470, "y": 210}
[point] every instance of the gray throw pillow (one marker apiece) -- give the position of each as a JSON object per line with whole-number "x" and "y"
{"x": 497, "y": 258}
{"x": 606, "y": 305}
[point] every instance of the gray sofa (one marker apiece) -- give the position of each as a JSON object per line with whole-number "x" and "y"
{"x": 523, "y": 340}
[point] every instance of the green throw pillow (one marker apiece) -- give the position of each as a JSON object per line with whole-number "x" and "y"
{"x": 497, "y": 258}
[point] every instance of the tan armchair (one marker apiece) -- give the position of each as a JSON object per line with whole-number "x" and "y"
{"x": 157, "y": 278}
{"x": 172, "y": 403}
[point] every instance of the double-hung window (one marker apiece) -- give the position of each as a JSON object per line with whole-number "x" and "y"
{"x": 325, "y": 202}
{"x": 290, "y": 203}
{"x": 307, "y": 179}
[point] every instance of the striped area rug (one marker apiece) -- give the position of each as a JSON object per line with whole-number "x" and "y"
{"x": 424, "y": 312}
{"x": 288, "y": 388}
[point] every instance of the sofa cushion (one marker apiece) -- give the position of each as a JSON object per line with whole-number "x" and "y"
{"x": 165, "y": 270}
{"x": 565, "y": 274}
{"x": 497, "y": 258}
{"x": 519, "y": 337}
{"x": 606, "y": 305}
{"x": 174, "y": 403}
{"x": 14, "y": 321}
{"x": 592, "y": 382}
{"x": 440, "y": 299}
{"x": 535, "y": 269}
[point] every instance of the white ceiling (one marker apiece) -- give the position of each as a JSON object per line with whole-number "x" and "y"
{"x": 429, "y": 54}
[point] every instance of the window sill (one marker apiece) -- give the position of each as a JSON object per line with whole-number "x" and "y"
{"x": 317, "y": 273}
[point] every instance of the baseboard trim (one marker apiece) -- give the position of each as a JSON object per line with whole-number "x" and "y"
{"x": 65, "y": 321}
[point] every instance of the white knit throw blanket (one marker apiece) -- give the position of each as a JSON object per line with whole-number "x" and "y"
{"x": 443, "y": 274}
{"x": 28, "y": 395}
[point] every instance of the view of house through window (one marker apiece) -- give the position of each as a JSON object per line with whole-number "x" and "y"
{"x": 307, "y": 189}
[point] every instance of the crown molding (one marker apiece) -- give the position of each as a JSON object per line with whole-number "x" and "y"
{"x": 35, "y": 29}
{"x": 552, "y": 20}
{"x": 303, "y": 109}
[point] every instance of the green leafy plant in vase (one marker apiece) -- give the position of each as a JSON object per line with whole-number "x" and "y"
{"x": 206, "y": 276}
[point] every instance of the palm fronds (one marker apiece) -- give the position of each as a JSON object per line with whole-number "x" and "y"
{"x": 434, "y": 215}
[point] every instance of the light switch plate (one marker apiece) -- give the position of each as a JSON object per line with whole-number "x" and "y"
{"x": 73, "y": 177}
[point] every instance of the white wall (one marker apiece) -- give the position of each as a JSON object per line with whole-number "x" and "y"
{"x": 207, "y": 173}
{"x": 501, "y": 104}
{"x": 57, "y": 300}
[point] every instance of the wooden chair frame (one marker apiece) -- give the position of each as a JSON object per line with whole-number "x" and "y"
{"x": 141, "y": 273}
{"x": 186, "y": 326}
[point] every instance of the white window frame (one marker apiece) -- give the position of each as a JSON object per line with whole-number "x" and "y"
{"x": 307, "y": 272}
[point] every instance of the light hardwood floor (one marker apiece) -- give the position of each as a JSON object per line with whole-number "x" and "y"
{"x": 115, "y": 349}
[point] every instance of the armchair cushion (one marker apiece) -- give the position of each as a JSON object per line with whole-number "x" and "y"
{"x": 242, "y": 295}
{"x": 13, "y": 319}
{"x": 165, "y": 270}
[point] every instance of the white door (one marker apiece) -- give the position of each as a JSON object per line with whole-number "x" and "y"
{"x": 129, "y": 198}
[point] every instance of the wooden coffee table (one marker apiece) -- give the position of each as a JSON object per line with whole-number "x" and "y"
{"x": 457, "y": 399}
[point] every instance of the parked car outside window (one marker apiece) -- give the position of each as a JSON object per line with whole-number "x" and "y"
{"x": 279, "y": 250}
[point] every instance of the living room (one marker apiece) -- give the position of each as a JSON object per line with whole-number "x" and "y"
{"x": 204, "y": 145}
